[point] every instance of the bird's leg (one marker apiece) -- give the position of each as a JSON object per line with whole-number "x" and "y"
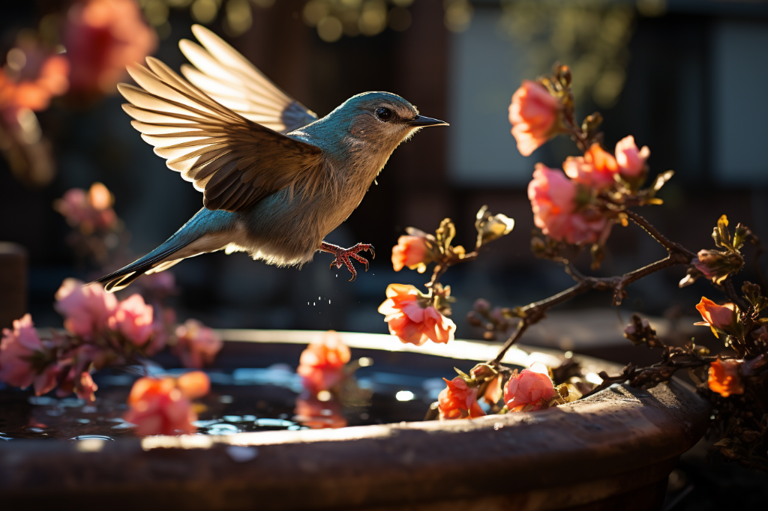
{"x": 344, "y": 254}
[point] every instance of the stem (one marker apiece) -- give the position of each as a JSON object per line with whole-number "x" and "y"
{"x": 671, "y": 246}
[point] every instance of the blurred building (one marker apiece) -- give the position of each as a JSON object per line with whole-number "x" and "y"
{"x": 683, "y": 76}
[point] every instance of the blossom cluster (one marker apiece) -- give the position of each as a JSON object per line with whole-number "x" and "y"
{"x": 100, "y": 331}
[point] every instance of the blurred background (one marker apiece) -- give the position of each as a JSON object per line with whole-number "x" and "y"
{"x": 685, "y": 77}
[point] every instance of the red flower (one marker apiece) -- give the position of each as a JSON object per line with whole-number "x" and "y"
{"x": 553, "y": 200}
{"x": 162, "y": 406}
{"x": 133, "y": 319}
{"x": 530, "y": 390}
{"x": 197, "y": 344}
{"x": 717, "y": 317}
{"x": 533, "y": 113}
{"x": 458, "y": 400}
{"x": 411, "y": 320}
{"x": 724, "y": 377}
{"x": 101, "y": 38}
{"x": 321, "y": 365}
{"x": 410, "y": 251}
{"x": 17, "y": 350}
{"x": 86, "y": 308}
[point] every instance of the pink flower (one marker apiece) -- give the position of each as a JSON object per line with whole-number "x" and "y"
{"x": 102, "y": 37}
{"x": 553, "y": 200}
{"x": 528, "y": 388}
{"x": 85, "y": 388}
{"x": 21, "y": 350}
{"x": 631, "y": 161}
{"x": 717, "y": 317}
{"x": 86, "y": 309}
{"x": 595, "y": 170}
{"x": 316, "y": 414}
{"x": 133, "y": 319}
{"x": 725, "y": 377}
{"x": 321, "y": 365}
{"x": 197, "y": 344}
{"x": 459, "y": 401}
{"x": 411, "y": 320}
{"x": 533, "y": 114}
{"x": 89, "y": 211}
{"x": 160, "y": 407}
{"x": 163, "y": 327}
{"x": 410, "y": 251}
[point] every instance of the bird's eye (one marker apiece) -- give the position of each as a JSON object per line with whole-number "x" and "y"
{"x": 384, "y": 114}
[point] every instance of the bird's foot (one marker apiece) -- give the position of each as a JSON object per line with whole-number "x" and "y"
{"x": 343, "y": 256}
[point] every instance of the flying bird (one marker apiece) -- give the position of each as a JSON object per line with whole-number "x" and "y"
{"x": 275, "y": 178}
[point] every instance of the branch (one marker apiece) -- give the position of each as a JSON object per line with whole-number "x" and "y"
{"x": 671, "y": 246}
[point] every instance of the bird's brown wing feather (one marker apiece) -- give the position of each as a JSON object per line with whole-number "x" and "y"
{"x": 232, "y": 160}
{"x": 229, "y": 78}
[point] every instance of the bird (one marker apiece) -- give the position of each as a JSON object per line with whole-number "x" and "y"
{"x": 275, "y": 178}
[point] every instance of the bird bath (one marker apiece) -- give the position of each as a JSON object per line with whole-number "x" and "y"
{"x": 612, "y": 450}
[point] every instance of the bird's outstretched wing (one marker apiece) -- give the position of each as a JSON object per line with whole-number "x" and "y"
{"x": 229, "y": 78}
{"x": 233, "y": 160}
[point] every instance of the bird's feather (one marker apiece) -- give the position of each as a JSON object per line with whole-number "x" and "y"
{"x": 229, "y": 78}
{"x": 234, "y": 161}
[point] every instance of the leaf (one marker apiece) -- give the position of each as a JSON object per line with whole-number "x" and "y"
{"x": 662, "y": 179}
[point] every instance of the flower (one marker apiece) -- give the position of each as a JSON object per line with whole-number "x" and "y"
{"x": 21, "y": 351}
{"x": 317, "y": 414}
{"x": 101, "y": 38}
{"x": 724, "y": 377}
{"x": 718, "y": 317}
{"x": 32, "y": 77}
{"x": 533, "y": 114}
{"x": 411, "y": 251}
{"x": 553, "y": 201}
{"x": 89, "y": 211}
{"x": 528, "y": 390}
{"x": 162, "y": 407}
{"x": 595, "y": 170}
{"x": 86, "y": 308}
{"x": 458, "y": 400}
{"x": 85, "y": 388}
{"x": 717, "y": 265}
{"x": 133, "y": 319}
{"x": 411, "y": 320}
{"x": 197, "y": 344}
{"x": 321, "y": 365}
{"x": 631, "y": 161}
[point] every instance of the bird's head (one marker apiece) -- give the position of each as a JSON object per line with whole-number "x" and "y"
{"x": 381, "y": 118}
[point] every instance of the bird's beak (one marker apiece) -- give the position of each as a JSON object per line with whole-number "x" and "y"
{"x": 421, "y": 121}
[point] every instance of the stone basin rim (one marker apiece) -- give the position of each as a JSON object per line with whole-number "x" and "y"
{"x": 629, "y": 435}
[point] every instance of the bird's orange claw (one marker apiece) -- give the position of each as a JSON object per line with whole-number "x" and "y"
{"x": 343, "y": 256}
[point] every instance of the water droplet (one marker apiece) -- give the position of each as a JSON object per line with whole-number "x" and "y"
{"x": 319, "y": 297}
{"x": 83, "y": 421}
{"x": 41, "y": 400}
{"x": 233, "y": 418}
{"x": 93, "y": 437}
{"x": 222, "y": 429}
{"x": 313, "y": 304}
{"x": 405, "y": 395}
{"x": 329, "y": 302}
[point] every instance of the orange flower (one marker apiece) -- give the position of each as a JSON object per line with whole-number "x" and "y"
{"x": 595, "y": 170}
{"x": 32, "y": 77}
{"x": 533, "y": 114}
{"x": 322, "y": 363}
{"x": 411, "y": 320}
{"x": 459, "y": 401}
{"x": 718, "y": 317}
{"x": 410, "y": 251}
{"x": 162, "y": 406}
{"x": 529, "y": 390}
{"x": 724, "y": 377}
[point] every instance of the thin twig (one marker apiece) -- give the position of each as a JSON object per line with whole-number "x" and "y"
{"x": 671, "y": 246}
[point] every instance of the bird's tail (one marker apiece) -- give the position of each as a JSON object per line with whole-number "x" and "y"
{"x": 160, "y": 259}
